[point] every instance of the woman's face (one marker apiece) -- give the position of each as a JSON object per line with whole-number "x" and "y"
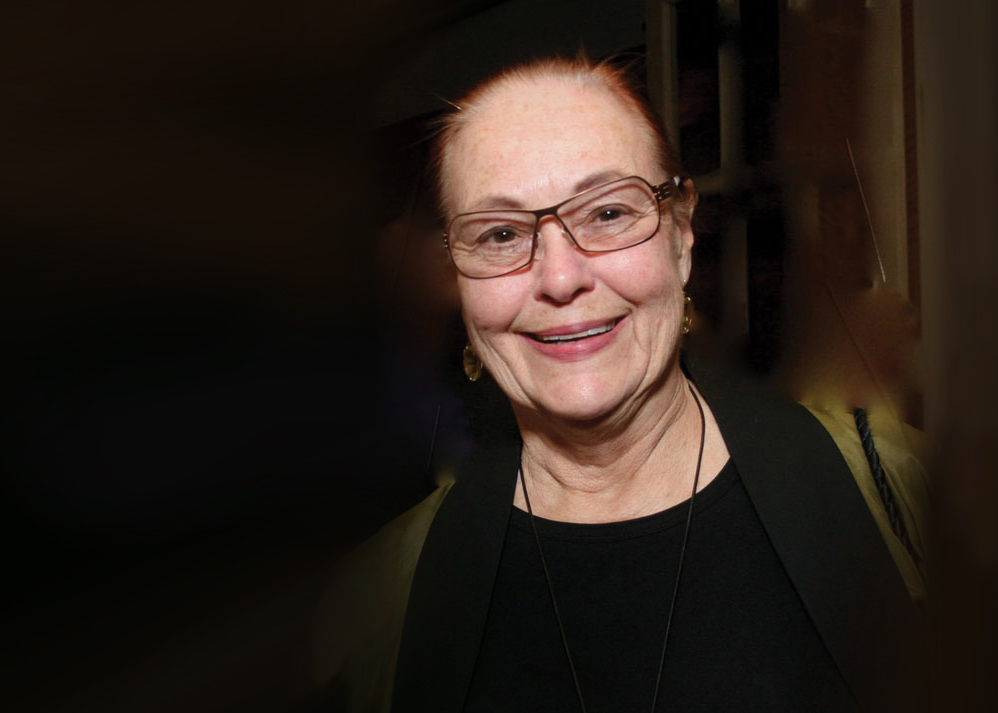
{"x": 533, "y": 145}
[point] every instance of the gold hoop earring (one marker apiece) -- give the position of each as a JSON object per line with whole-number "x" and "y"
{"x": 687, "y": 313}
{"x": 472, "y": 363}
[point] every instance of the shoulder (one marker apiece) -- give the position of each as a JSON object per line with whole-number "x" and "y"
{"x": 757, "y": 416}
{"x": 902, "y": 450}
{"x": 775, "y": 440}
{"x": 359, "y": 620}
{"x": 402, "y": 538}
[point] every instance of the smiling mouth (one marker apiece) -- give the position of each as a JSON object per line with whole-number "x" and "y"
{"x": 576, "y": 336}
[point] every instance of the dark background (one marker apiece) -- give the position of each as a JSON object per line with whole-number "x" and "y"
{"x": 232, "y": 353}
{"x": 189, "y": 436}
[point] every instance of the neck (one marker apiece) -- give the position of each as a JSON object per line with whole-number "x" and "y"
{"x": 622, "y": 467}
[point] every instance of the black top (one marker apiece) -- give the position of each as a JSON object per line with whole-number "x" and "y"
{"x": 802, "y": 491}
{"x": 741, "y": 639}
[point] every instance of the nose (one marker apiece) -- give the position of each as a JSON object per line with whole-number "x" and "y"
{"x": 562, "y": 270}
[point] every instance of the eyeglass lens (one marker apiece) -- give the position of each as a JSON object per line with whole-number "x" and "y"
{"x": 615, "y": 216}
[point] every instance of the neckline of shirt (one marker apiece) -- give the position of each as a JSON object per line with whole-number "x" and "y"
{"x": 627, "y": 529}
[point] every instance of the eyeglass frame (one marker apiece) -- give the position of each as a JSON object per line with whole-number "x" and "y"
{"x": 660, "y": 192}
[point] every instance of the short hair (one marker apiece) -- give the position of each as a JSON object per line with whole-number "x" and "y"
{"x": 581, "y": 71}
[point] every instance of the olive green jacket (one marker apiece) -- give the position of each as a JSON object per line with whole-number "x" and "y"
{"x": 401, "y": 625}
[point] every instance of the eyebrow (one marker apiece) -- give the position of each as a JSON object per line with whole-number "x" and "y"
{"x": 497, "y": 202}
{"x": 596, "y": 179}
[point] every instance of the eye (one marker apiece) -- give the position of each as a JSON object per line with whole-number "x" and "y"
{"x": 609, "y": 214}
{"x": 498, "y": 236}
{"x": 502, "y": 237}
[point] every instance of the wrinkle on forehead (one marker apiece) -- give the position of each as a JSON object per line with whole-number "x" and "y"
{"x": 531, "y": 116}
{"x": 501, "y": 202}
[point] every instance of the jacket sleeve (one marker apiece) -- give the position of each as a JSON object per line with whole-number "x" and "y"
{"x": 359, "y": 620}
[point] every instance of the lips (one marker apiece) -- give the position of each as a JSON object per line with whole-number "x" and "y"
{"x": 574, "y": 332}
{"x": 575, "y": 342}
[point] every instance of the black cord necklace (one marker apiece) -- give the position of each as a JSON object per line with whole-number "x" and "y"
{"x": 679, "y": 569}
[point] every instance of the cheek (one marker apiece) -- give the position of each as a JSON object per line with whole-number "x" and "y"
{"x": 651, "y": 276}
{"x": 486, "y": 305}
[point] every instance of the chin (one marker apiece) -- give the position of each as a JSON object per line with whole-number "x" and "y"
{"x": 584, "y": 414}
{"x": 581, "y": 402}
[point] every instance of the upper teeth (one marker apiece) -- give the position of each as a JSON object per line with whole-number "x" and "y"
{"x": 579, "y": 335}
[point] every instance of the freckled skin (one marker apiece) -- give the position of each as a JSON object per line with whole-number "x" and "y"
{"x": 533, "y": 142}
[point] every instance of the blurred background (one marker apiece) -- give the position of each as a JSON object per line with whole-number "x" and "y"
{"x": 232, "y": 333}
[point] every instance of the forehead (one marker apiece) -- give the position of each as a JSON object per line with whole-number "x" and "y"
{"x": 532, "y": 140}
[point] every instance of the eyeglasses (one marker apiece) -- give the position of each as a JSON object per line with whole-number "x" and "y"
{"x": 613, "y": 216}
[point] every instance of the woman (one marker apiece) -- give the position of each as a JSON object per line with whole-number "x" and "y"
{"x": 652, "y": 537}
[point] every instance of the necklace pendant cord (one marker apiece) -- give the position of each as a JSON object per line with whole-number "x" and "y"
{"x": 679, "y": 569}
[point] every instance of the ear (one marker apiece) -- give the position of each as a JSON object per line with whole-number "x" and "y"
{"x": 684, "y": 250}
{"x": 686, "y": 203}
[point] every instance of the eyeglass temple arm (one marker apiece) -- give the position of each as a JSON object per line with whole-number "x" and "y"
{"x": 669, "y": 188}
